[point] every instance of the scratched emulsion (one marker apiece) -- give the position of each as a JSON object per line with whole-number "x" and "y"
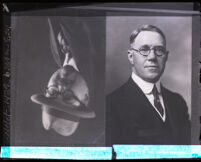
{"x": 84, "y": 153}
{"x": 157, "y": 151}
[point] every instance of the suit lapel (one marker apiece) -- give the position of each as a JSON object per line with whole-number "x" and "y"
{"x": 134, "y": 91}
{"x": 141, "y": 101}
{"x": 168, "y": 108}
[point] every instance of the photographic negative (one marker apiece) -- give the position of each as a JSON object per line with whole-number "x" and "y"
{"x": 88, "y": 76}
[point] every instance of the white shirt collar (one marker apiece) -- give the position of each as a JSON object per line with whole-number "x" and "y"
{"x": 145, "y": 86}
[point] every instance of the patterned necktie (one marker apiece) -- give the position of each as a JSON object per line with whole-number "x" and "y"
{"x": 157, "y": 102}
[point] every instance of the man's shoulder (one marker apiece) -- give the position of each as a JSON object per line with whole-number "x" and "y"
{"x": 170, "y": 92}
{"x": 173, "y": 95}
{"x": 118, "y": 92}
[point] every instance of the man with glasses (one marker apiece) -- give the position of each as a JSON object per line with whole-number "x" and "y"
{"x": 143, "y": 111}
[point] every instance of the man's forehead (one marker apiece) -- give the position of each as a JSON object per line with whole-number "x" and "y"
{"x": 148, "y": 38}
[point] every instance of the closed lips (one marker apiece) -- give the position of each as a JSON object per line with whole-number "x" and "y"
{"x": 155, "y": 66}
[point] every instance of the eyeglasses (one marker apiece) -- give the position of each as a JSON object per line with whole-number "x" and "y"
{"x": 53, "y": 92}
{"x": 145, "y": 50}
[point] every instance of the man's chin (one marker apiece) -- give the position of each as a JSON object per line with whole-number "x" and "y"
{"x": 64, "y": 127}
{"x": 61, "y": 126}
{"x": 152, "y": 78}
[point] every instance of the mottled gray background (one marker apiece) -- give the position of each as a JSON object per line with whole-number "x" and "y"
{"x": 178, "y": 32}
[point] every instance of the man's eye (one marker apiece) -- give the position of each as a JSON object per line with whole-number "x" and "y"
{"x": 160, "y": 49}
{"x": 144, "y": 48}
{"x": 52, "y": 90}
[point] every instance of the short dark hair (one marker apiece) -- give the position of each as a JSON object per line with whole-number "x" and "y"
{"x": 135, "y": 33}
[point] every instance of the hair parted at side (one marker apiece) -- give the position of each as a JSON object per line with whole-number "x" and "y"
{"x": 135, "y": 33}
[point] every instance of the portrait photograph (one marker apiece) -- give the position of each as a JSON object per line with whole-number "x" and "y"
{"x": 144, "y": 52}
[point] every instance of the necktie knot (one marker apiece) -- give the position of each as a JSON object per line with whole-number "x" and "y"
{"x": 155, "y": 92}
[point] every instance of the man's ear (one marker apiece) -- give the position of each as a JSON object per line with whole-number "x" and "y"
{"x": 130, "y": 56}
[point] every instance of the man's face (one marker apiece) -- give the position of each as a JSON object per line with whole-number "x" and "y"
{"x": 150, "y": 67}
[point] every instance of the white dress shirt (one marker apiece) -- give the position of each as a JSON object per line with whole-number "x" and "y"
{"x": 147, "y": 87}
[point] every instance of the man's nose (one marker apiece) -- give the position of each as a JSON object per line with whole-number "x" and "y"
{"x": 152, "y": 55}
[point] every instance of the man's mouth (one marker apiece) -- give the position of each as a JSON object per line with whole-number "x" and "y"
{"x": 152, "y": 66}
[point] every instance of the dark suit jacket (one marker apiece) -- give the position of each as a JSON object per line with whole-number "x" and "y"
{"x": 131, "y": 119}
